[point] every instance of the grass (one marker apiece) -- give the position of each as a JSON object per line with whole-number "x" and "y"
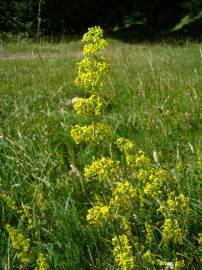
{"x": 156, "y": 100}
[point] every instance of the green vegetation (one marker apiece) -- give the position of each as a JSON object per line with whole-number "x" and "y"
{"x": 155, "y": 100}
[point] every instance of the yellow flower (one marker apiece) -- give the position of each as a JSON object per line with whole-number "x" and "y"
{"x": 137, "y": 161}
{"x": 93, "y": 48}
{"x": 97, "y": 214}
{"x": 148, "y": 258}
{"x": 92, "y": 134}
{"x": 122, "y": 196}
{"x": 91, "y": 73}
{"x": 153, "y": 179}
{"x": 92, "y": 106}
{"x": 93, "y": 68}
{"x": 125, "y": 145}
{"x": 38, "y": 196}
{"x": 21, "y": 244}
{"x": 93, "y": 34}
{"x": 175, "y": 204}
{"x": 126, "y": 226}
{"x": 179, "y": 264}
{"x": 122, "y": 252}
{"x": 9, "y": 202}
{"x": 103, "y": 168}
{"x": 149, "y": 234}
{"x": 94, "y": 38}
{"x": 42, "y": 263}
{"x": 172, "y": 232}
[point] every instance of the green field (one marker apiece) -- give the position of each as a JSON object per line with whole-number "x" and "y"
{"x": 155, "y": 100}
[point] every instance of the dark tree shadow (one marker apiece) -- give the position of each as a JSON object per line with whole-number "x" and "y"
{"x": 142, "y": 33}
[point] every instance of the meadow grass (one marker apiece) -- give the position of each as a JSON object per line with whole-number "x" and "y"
{"x": 156, "y": 100}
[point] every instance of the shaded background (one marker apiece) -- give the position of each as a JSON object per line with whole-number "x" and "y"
{"x": 128, "y": 19}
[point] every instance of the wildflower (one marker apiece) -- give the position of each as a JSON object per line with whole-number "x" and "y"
{"x": 126, "y": 226}
{"x": 97, "y": 214}
{"x": 102, "y": 169}
{"x": 148, "y": 258}
{"x": 26, "y": 215}
{"x": 93, "y": 34}
{"x": 122, "y": 196}
{"x": 123, "y": 253}
{"x": 9, "y": 202}
{"x": 172, "y": 232}
{"x": 92, "y": 106}
{"x": 125, "y": 145}
{"x": 93, "y": 48}
{"x": 149, "y": 233}
{"x": 21, "y": 244}
{"x": 94, "y": 37}
{"x": 137, "y": 161}
{"x": 175, "y": 204}
{"x": 91, "y": 73}
{"x": 179, "y": 264}
{"x": 93, "y": 68}
{"x": 38, "y": 196}
{"x": 92, "y": 134}
{"x": 41, "y": 263}
{"x": 153, "y": 179}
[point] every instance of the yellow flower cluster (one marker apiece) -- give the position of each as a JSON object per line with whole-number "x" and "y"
{"x": 26, "y": 214}
{"x": 93, "y": 68}
{"x": 153, "y": 179}
{"x": 38, "y": 196}
{"x": 172, "y": 232}
{"x": 126, "y": 226}
{"x": 98, "y": 64}
{"x": 23, "y": 212}
{"x": 93, "y": 34}
{"x": 103, "y": 168}
{"x": 93, "y": 48}
{"x": 89, "y": 80}
{"x": 42, "y": 263}
{"x": 125, "y": 145}
{"x": 94, "y": 37}
{"x": 148, "y": 258}
{"x": 179, "y": 264}
{"x": 175, "y": 204}
{"x": 9, "y": 202}
{"x": 91, "y": 73}
{"x": 92, "y": 106}
{"x": 137, "y": 161}
{"x": 97, "y": 214}
{"x": 149, "y": 233}
{"x": 122, "y": 196}
{"x": 91, "y": 134}
{"x": 123, "y": 253}
{"x": 21, "y": 244}
{"x": 125, "y": 197}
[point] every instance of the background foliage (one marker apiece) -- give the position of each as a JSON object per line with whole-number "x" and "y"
{"x": 61, "y": 17}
